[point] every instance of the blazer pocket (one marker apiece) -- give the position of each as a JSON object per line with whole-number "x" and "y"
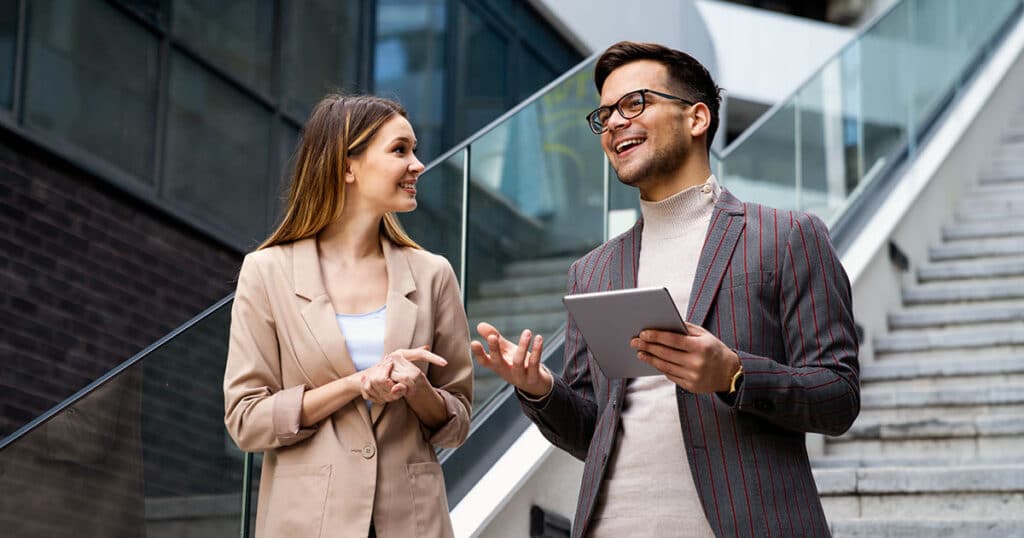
{"x": 429, "y": 502}
{"x": 298, "y": 497}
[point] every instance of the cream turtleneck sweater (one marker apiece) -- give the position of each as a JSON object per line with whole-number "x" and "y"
{"x": 648, "y": 489}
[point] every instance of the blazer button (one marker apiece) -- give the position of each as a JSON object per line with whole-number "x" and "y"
{"x": 369, "y": 451}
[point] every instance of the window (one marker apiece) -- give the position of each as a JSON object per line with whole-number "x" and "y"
{"x": 321, "y": 52}
{"x": 218, "y": 151}
{"x": 92, "y": 80}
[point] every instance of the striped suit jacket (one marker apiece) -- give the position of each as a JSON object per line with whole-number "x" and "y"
{"x": 771, "y": 287}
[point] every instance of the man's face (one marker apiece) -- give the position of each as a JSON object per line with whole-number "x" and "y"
{"x": 661, "y": 130}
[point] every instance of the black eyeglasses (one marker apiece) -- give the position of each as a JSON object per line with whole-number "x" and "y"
{"x": 629, "y": 106}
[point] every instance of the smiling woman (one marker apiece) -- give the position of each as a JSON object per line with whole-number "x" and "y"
{"x": 349, "y": 342}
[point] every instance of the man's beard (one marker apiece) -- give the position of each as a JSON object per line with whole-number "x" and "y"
{"x": 664, "y": 162}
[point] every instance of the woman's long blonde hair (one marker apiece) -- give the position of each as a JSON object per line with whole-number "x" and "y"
{"x": 339, "y": 128}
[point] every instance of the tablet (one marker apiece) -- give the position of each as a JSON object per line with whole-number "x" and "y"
{"x": 608, "y": 320}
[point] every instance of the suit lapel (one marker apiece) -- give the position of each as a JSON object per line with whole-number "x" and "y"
{"x": 727, "y": 222}
{"x": 319, "y": 314}
{"x": 401, "y": 311}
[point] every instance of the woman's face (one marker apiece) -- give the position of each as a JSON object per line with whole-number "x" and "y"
{"x": 384, "y": 176}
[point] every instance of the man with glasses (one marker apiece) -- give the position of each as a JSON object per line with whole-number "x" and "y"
{"x": 716, "y": 445}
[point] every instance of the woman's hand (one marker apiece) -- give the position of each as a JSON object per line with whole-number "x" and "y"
{"x": 376, "y": 384}
{"x": 404, "y": 372}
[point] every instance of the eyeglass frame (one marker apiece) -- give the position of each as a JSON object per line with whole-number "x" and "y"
{"x": 617, "y": 107}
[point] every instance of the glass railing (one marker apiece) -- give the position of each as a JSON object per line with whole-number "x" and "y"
{"x": 142, "y": 452}
{"x": 866, "y": 109}
{"x": 145, "y": 446}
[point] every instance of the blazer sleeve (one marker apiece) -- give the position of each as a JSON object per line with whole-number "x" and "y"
{"x": 567, "y": 416}
{"x": 816, "y": 388}
{"x": 260, "y": 414}
{"x": 454, "y": 382}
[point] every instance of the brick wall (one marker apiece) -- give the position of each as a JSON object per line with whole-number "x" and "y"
{"x": 90, "y": 276}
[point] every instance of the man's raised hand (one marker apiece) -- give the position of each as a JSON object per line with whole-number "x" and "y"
{"x": 518, "y": 364}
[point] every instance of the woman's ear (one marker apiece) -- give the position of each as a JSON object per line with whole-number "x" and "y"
{"x": 350, "y": 176}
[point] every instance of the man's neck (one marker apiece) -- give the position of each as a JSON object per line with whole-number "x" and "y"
{"x": 657, "y": 189}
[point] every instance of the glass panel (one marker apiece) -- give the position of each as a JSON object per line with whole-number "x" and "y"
{"x": 763, "y": 167}
{"x": 8, "y": 37}
{"x": 144, "y": 454}
{"x": 288, "y": 147}
{"x": 436, "y": 224}
{"x": 410, "y": 64}
{"x": 218, "y": 147}
{"x": 235, "y": 35}
{"x": 536, "y": 202}
{"x": 155, "y": 11}
{"x": 321, "y": 51}
{"x": 481, "y": 70}
{"x": 91, "y": 79}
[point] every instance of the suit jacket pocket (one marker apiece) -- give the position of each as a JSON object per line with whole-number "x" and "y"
{"x": 298, "y": 497}
{"x": 430, "y": 504}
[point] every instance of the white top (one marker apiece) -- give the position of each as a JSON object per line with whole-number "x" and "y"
{"x": 648, "y": 489}
{"x": 364, "y": 336}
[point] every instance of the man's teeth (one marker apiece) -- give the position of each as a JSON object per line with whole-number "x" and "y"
{"x": 625, "y": 144}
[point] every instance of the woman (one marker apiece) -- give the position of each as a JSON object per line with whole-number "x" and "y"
{"x": 349, "y": 354}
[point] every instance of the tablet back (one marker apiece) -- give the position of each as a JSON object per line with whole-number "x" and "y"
{"x": 608, "y": 320}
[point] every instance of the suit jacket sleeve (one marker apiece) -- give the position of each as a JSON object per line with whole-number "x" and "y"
{"x": 260, "y": 414}
{"x": 453, "y": 382}
{"x": 815, "y": 388}
{"x": 567, "y": 416}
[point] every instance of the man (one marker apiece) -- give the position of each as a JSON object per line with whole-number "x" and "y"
{"x": 716, "y": 445}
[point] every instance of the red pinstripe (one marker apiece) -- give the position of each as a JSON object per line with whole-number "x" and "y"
{"x": 796, "y": 307}
{"x": 810, "y": 294}
{"x": 735, "y": 433}
{"x": 713, "y": 258}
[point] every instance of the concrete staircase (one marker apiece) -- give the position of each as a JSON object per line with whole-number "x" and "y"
{"x": 529, "y": 296}
{"x": 938, "y": 449}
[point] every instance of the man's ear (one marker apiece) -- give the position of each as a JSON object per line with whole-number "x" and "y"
{"x": 701, "y": 120}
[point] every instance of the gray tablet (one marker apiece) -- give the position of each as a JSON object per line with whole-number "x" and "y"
{"x": 608, "y": 320}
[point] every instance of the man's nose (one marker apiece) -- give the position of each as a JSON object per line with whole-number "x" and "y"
{"x": 616, "y": 121}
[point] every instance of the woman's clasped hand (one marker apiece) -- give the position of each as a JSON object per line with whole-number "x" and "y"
{"x": 397, "y": 376}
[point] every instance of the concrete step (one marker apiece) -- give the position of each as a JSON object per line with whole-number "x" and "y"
{"x": 881, "y": 413}
{"x": 1010, "y": 227}
{"x": 983, "y": 248}
{"x": 879, "y": 372}
{"x": 917, "y": 460}
{"x": 975, "y": 289}
{"x": 963, "y": 492}
{"x": 957, "y": 440}
{"x": 976, "y": 268}
{"x": 502, "y": 306}
{"x": 923, "y": 340}
{"x": 967, "y": 396}
{"x": 1001, "y": 527}
{"x": 935, "y": 316}
{"x": 990, "y": 206}
{"x": 541, "y": 267}
{"x": 525, "y": 285}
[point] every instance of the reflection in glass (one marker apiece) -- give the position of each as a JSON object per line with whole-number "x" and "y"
{"x": 536, "y": 202}
{"x": 235, "y": 35}
{"x": 763, "y": 167}
{"x": 321, "y": 51}
{"x": 218, "y": 150}
{"x": 91, "y": 79}
{"x": 146, "y": 453}
{"x": 409, "y": 64}
{"x": 480, "y": 74}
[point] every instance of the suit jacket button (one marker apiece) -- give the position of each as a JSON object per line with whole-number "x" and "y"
{"x": 369, "y": 451}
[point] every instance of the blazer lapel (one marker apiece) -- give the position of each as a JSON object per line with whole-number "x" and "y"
{"x": 319, "y": 314}
{"x": 727, "y": 222}
{"x": 401, "y": 311}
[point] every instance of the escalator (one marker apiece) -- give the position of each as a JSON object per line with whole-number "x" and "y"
{"x": 143, "y": 450}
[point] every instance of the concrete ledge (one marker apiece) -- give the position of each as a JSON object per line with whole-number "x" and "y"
{"x": 899, "y": 480}
{"x": 966, "y": 290}
{"x": 946, "y": 367}
{"x": 919, "y": 528}
{"x": 933, "y": 316}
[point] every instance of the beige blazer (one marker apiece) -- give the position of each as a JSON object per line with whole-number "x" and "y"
{"x": 357, "y": 464}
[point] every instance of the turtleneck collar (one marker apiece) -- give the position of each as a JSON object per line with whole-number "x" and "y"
{"x": 673, "y": 215}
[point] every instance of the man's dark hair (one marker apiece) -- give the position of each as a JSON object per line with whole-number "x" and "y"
{"x": 691, "y": 78}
